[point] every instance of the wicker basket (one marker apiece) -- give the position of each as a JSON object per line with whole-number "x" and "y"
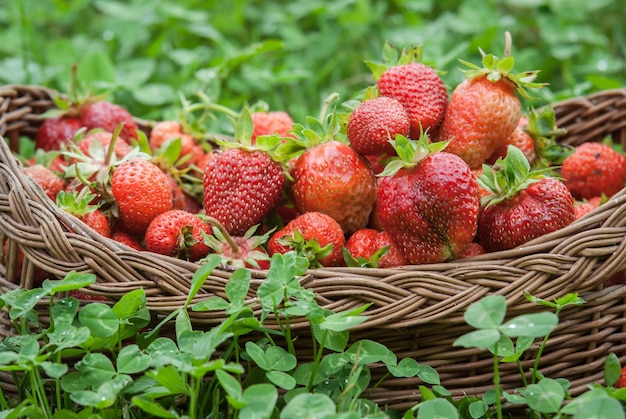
{"x": 417, "y": 311}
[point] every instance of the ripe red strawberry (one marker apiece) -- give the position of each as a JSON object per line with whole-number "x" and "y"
{"x": 417, "y": 87}
{"x": 124, "y": 237}
{"x": 314, "y": 235}
{"x": 428, "y": 201}
{"x": 49, "y": 181}
{"x": 79, "y": 205}
{"x": 472, "y": 249}
{"x": 238, "y": 251}
{"x": 484, "y": 109}
{"x": 520, "y": 139}
{"x": 374, "y": 122}
{"x": 271, "y": 123}
{"x": 243, "y": 183}
{"x": 107, "y": 116}
{"x": 241, "y": 187}
{"x": 331, "y": 177}
{"x": 372, "y": 248}
{"x": 141, "y": 191}
{"x": 594, "y": 169}
{"x": 57, "y": 131}
{"x": 524, "y": 205}
{"x": 177, "y": 233}
{"x": 587, "y": 205}
{"x": 173, "y": 130}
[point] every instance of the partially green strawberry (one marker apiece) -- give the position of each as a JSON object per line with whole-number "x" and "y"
{"x": 371, "y": 248}
{"x": 417, "y": 86}
{"x": 313, "y": 235}
{"x": 331, "y": 177}
{"x": 594, "y": 169}
{"x": 243, "y": 182}
{"x": 374, "y": 122}
{"x": 428, "y": 201}
{"x": 485, "y": 109}
{"x": 177, "y": 233}
{"x": 524, "y": 204}
{"x": 141, "y": 192}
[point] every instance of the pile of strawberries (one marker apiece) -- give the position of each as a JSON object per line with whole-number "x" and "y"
{"x": 406, "y": 173}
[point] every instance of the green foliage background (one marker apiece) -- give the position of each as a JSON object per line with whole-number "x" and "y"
{"x": 293, "y": 54}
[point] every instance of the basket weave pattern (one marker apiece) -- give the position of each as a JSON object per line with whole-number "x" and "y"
{"x": 417, "y": 311}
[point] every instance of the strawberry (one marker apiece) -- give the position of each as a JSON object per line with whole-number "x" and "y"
{"x": 472, "y": 249}
{"x": 177, "y": 233}
{"x": 594, "y": 169}
{"x": 331, "y": 177}
{"x": 238, "y": 251}
{"x": 106, "y": 115}
{"x": 586, "y": 206}
{"x": 96, "y": 143}
{"x": 271, "y": 123}
{"x": 141, "y": 191}
{"x": 524, "y": 205}
{"x": 536, "y": 137}
{"x": 57, "y": 131}
{"x": 49, "y": 181}
{"x": 374, "y": 122}
{"x": 314, "y": 235}
{"x": 124, "y": 237}
{"x": 372, "y": 248}
{"x": 415, "y": 85}
{"x": 428, "y": 201}
{"x": 84, "y": 296}
{"x": 243, "y": 183}
{"x": 484, "y": 109}
{"x": 79, "y": 205}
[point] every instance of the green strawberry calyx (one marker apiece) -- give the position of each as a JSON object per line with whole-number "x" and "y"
{"x": 77, "y": 203}
{"x": 508, "y": 176}
{"x": 309, "y": 249}
{"x": 543, "y": 130}
{"x": 496, "y": 69}
{"x": 410, "y": 152}
{"x": 361, "y": 262}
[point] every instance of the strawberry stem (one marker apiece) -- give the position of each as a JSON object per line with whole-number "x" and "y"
{"x": 507, "y": 44}
{"x": 215, "y": 222}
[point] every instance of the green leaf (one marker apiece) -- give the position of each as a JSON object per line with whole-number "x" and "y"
{"x": 96, "y": 67}
{"x": 612, "y": 369}
{"x": 230, "y": 384}
{"x": 72, "y": 281}
{"x": 281, "y": 379}
{"x": 213, "y": 303}
{"x": 487, "y": 313}
{"x": 170, "y": 378}
{"x": 335, "y": 341}
{"x": 545, "y": 397}
{"x": 95, "y": 369}
{"x": 64, "y": 311}
{"x": 310, "y": 406}
{"x": 68, "y": 336}
{"x": 153, "y": 408}
{"x": 100, "y": 319}
{"x": 344, "y": 320}
{"x": 201, "y": 275}
{"x": 438, "y": 409}
{"x": 260, "y": 400}
{"x": 237, "y": 287}
{"x": 130, "y": 360}
{"x": 481, "y": 339}
{"x": 366, "y": 351}
{"x": 279, "y": 359}
{"x": 530, "y": 325}
{"x": 54, "y": 370}
{"x": 26, "y": 302}
{"x": 428, "y": 375}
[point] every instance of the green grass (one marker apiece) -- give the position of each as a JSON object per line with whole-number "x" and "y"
{"x": 293, "y": 54}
